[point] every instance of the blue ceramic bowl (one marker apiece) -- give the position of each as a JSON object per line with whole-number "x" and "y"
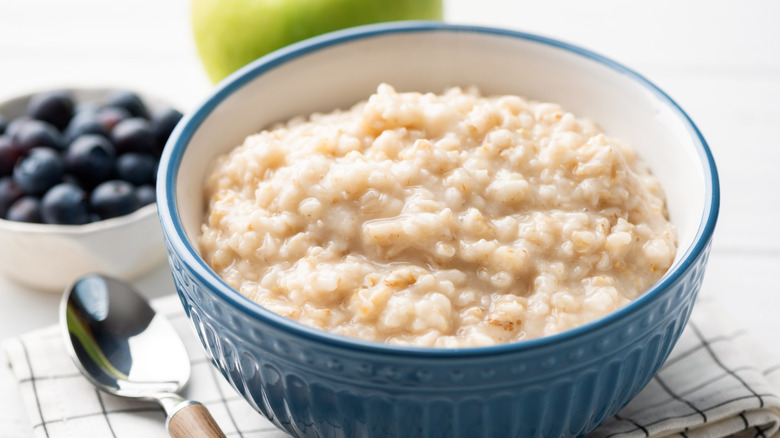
{"x": 312, "y": 383}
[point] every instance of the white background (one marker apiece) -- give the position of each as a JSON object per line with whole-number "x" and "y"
{"x": 720, "y": 60}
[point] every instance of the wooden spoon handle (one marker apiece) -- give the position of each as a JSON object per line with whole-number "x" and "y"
{"x": 194, "y": 421}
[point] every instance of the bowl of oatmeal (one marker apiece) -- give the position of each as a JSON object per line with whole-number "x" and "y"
{"x": 414, "y": 229}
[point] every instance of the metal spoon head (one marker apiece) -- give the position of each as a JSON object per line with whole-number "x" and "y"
{"x": 118, "y": 341}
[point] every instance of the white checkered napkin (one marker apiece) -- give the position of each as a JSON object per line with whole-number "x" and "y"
{"x": 716, "y": 383}
{"x": 62, "y": 403}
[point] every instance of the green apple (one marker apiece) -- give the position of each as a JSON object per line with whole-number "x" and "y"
{"x": 231, "y": 33}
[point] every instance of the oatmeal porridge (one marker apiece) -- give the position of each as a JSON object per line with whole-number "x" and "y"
{"x": 449, "y": 220}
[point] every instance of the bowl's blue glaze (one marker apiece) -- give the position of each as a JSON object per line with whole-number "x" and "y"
{"x": 546, "y": 389}
{"x": 311, "y": 383}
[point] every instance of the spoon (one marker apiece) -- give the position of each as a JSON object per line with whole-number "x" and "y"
{"x": 124, "y": 348}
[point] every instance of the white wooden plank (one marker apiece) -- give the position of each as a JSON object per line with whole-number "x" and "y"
{"x": 707, "y": 34}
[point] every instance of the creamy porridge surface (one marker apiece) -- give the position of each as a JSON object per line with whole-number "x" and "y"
{"x": 450, "y": 220}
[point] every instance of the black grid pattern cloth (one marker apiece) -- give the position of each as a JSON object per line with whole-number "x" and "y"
{"x": 61, "y": 403}
{"x": 716, "y": 383}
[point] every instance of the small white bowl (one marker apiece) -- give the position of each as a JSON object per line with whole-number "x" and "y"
{"x": 50, "y": 257}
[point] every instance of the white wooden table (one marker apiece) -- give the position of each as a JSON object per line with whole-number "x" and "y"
{"x": 719, "y": 60}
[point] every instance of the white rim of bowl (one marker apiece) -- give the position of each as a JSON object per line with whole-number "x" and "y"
{"x": 171, "y": 223}
{"x": 88, "y": 228}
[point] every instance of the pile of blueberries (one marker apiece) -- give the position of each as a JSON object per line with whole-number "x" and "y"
{"x": 68, "y": 162}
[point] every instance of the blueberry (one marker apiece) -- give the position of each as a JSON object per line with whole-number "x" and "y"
{"x": 110, "y": 116}
{"x": 25, "y": 209}
{"x": 55, "y": 107}
{"x": 9, "y": 154}
{"x": 136, "y": 168}
{"x": 9, "y": 193}
{"x": 128, "y": 101}
{"x": 15, "y": 125}
{"x": 146, "y": 195}
{"x": 134, "y": 135}
{"x": 38, "y": 171}
{"x": 113, "y": 198}
{"x": 84, "y": 122}
{"x": 163, "y": 121}
{"x": 65, "y": 204}
{"x": 3, "y": 124}
{"x": 90, "y": 158}
{"x": 71, "y": 179}
{"x": 34, "y": 133}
